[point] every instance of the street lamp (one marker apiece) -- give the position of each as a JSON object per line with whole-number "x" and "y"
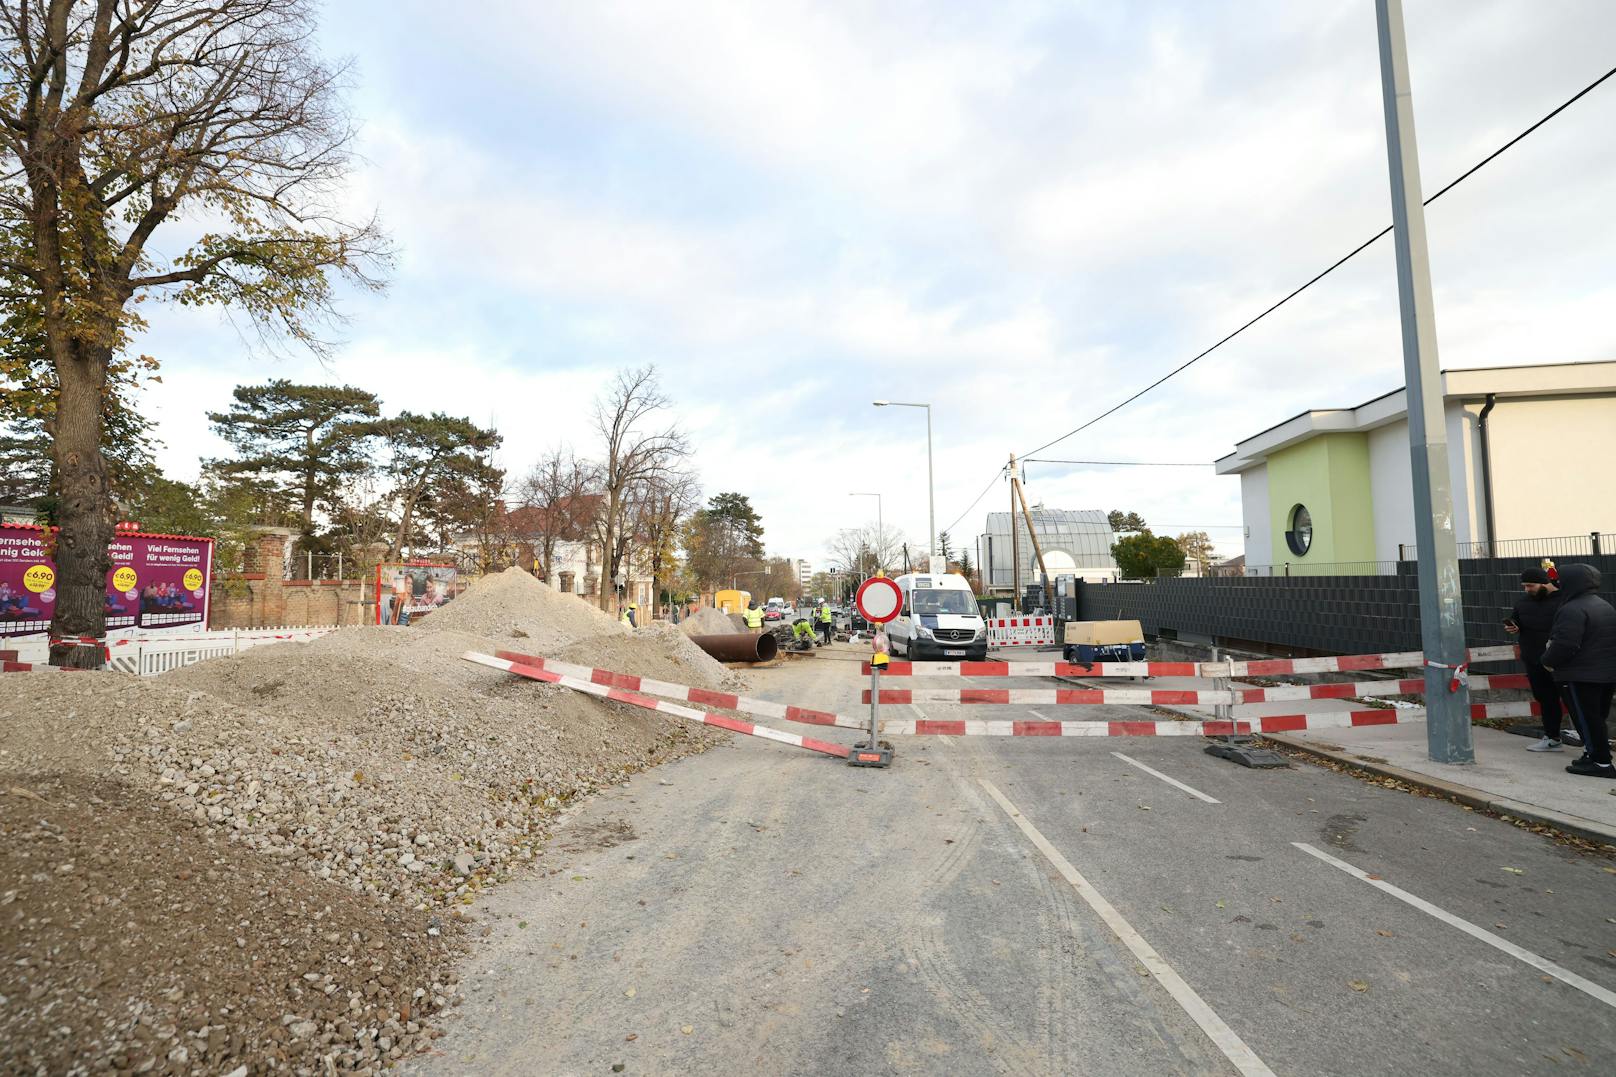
{"x": 931, "y": 487}
{"x": 880, "y": 525}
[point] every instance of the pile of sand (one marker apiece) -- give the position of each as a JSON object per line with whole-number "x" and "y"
{"x": 708, "y": 621}
{"x": 514, "y": 605}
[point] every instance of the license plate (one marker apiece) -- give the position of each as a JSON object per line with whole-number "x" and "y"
{"x": 953, "y": 654}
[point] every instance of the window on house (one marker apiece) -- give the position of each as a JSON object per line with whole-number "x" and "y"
{"x": 566, "y": 583}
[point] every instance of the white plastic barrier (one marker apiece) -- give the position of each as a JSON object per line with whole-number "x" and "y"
{"x": 1021, "y": 631}
{"x": 146, "y": 654}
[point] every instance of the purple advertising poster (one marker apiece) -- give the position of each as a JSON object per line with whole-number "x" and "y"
{"x": 156, "y": 581}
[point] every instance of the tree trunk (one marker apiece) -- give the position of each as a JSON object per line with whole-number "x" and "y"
{"x": 85, "y": 515}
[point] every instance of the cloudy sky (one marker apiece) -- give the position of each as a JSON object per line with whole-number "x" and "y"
{"x": 1018, "y": 211}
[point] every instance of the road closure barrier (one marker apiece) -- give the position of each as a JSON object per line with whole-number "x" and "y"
{"x": 1268, "y": 667}
{"x": 633, "y": 698}
{"x": 1167, "y": 697}
{"x": 759, "y": 708}
{"x": 1021, "y": 631}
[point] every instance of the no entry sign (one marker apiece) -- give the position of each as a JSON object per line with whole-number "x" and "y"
{"x": 879, "y": 600}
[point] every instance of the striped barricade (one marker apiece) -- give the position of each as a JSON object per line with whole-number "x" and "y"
{"x": 1268, "y": 667}
{"x": 1020, "y": 631}
{"x": 624, "y": 695}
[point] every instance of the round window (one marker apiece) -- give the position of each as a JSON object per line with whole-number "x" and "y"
{"x": 1300, "y": 536}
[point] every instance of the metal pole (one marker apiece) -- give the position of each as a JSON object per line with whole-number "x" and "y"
{"x": 1015, "y": 543}
{"x": 931, "y": 497}
{"x": 1447, "y": 723}
{"x": 875, "y": 704}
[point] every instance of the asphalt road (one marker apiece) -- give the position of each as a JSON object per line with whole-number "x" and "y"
{"x": 764, "y": 910}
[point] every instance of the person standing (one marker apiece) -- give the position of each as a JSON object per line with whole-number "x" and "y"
{"x": 1530, "y": 623}
{"x": 754, "y": 618}
{"x": 826, "y": 620}
{"x": 1582, "y": 657}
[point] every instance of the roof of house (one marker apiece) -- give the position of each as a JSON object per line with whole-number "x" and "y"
{"x": 1509, "y": 382}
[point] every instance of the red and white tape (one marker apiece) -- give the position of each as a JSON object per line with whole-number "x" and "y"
{"x": 1273, "y": 723}
{"x": 1053, "y": 697}
{"x": 623, "y": 695}
{"x": 1270, "y": 667}
{"x": 1020, "y": 631}
{"x": 760, "y": 708}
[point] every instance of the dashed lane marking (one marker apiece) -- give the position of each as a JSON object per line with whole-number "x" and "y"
{"x": 1174, "y": 782}
{"x": 1242, "y": 1057}
{"x": 1543, "y": 964}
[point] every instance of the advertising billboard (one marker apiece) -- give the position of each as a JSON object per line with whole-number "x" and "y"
{"x": 155, "y": 582}
{"x": 410, "y": 591}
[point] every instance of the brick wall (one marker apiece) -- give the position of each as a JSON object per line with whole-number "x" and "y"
{"x": 259, "y": 596}
{"x": 1316, "y": 614}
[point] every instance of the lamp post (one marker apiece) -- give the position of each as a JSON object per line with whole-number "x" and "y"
{"x": 880, "y": 525}
{"x": 931, "y": 486}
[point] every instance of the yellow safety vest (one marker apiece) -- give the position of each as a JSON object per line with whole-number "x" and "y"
{"x": 754, "y": 618}
{"x": 824, "y": 615}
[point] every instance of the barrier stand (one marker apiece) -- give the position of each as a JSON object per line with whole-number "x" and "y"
{"x": 879, "y": 600}
{"x": 1237, "y": 747}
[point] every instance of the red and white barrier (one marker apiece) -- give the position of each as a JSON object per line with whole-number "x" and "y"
{"x": 1020, "y": 631}
{"x": 1271, "y": 667}
{"x": 1273, "y": 723}
{"x": 1054, "y": 697}
{"x": 760, "y": 708}
{"x": 623, "y": 695}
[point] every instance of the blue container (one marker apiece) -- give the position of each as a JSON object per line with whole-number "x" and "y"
{"x": 1086, "y": 654}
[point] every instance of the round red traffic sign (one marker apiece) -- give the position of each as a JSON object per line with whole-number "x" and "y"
{"x": 879, "y": 599}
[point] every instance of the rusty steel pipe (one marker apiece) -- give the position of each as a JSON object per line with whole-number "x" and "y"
{"x": 739, "y": 647}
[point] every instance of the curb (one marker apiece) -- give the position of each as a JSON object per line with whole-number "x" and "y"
{"x": 1570, "y": 824}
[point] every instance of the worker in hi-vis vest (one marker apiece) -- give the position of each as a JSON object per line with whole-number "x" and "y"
{"x": 826, "y": 619}
{"x": 754, "y": 618}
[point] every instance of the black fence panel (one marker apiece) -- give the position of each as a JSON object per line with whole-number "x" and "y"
{"x": 1316, "y": 614}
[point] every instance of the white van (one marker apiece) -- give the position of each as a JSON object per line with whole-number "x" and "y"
{"x": 939, "y": 619}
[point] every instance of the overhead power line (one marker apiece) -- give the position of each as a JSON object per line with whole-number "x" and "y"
{"x": 1121, "y": 463}
{"x": 1337, "y": 264}
{"x": 978, "y": 500}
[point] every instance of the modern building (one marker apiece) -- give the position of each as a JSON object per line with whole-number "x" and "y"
{"x": 1075, "y": 543}
{"x": 804, "y": 573}
{"x": 1331, "y": 490}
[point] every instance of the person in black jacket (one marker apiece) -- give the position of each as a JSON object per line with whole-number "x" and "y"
{"x": 1582, "y": 656}
{"x": 1530, "y": 622}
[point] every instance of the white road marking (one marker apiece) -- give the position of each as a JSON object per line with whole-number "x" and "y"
{"x": 1543, "y": 964}
{"x": 1170, "y": 781}
{"x": 1038, "y": 716}
{"x": 1243, "y": 1058}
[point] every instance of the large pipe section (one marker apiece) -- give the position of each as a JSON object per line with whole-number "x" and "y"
{"x": 739, "y": 647}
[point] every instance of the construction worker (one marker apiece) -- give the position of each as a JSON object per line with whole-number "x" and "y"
{"x": 626, "y": 620}
{"x": 754, "y": 618}
{"x": 826, "y": 620}
{"x": 633, "y": 615}
{"x": 802, "y": 635}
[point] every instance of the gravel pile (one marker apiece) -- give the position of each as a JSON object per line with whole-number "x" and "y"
{"x": 515, "y": 605}
{"x": 708, "y": 621}
{"x": 371, "y": 770}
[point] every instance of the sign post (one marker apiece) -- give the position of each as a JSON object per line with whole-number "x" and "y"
{"x": 879, "y": 600}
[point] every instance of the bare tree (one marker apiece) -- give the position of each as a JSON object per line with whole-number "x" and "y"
{"x": 866, "y": 550}
{"x": 663, "y": 507}
{"x": 118, "y": 117}
{"x": 560, "y": 500}
{"x": 634, "y": 460}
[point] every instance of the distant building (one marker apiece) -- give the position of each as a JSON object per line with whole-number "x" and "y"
{"x": 1075, "y": 543}
{"x": 1527, "y": 453}
{"x": 804, "y": 572}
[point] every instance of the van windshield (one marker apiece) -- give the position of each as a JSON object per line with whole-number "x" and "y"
{"x": 941, "y": 601}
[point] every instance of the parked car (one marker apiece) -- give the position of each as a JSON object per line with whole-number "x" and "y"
{"x": 773, "y": 613}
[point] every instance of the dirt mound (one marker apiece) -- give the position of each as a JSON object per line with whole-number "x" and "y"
{"x": 514, "y": 605}
{"x": 372, "y": 768}
{"x": 251, "y": 966}
{"x": 661, "y": 651}
{"x": 708, "y": 621}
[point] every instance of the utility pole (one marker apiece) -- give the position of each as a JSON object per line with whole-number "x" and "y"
{"x": 1447, "y": 713}
{"x": 1015, "y": 543}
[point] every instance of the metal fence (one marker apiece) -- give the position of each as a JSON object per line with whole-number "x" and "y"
{"x": 1593, "y": 544}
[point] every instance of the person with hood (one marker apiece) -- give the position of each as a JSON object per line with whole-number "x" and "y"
{"x": 1530, "y": 623}
{"x": 1582, "y": 657}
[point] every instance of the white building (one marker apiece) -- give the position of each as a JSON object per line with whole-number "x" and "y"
{"x": 1075, "y": 543}
{"x": 1530, "y": 451}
